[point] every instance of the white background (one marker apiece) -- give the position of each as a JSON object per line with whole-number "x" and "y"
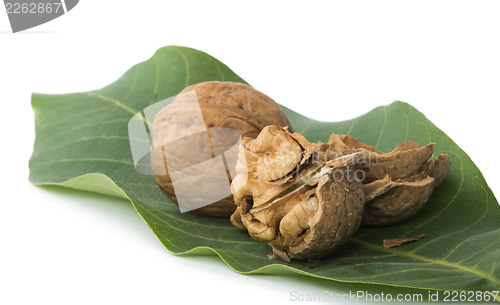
{"x": 328, "y": 60}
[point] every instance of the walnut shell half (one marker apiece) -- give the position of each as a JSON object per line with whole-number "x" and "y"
{"x": 397, "y": 184}
{"x": 221, "y": 107}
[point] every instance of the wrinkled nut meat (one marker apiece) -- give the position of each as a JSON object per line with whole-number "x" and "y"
{"x": 224, "y": 106}
{"x": 289, "y": 193}
{"x": 293, "y": 204}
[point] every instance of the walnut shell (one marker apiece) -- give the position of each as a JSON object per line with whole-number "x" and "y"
{"x": 304, "y": 212}
{"x": 310, "y": 233}
{"x": 289, "y": 194}
{"x": 224, "y": 106}
{"x": 408, "y": 193}
{"x": 397, "y": 184}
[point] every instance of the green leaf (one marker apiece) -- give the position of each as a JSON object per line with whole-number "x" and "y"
{"x": 82, "y": 142}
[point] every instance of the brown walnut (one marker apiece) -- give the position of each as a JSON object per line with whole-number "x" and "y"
{"x": 287, "y": 196}
{"x": 306, "y": 200}
{"x": 224, "y": 106}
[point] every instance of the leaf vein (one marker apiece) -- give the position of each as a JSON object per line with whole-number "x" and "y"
{"x": 382, "y": 130}
{"x": 187, "y": 67}
{"x": 114, "y": 101}
{"x": 425, "y": 259}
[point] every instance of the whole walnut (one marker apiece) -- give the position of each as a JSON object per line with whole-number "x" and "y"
{"x": 217, "y": 113}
